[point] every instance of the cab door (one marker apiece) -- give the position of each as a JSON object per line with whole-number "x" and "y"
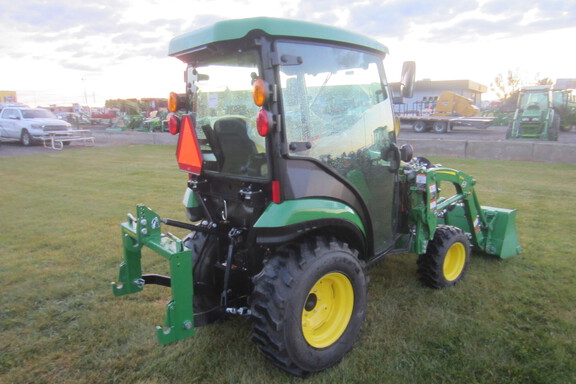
{"x": 9, "y": 123}
{"x": 337, "y": 110}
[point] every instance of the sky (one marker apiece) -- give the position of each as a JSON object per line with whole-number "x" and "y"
{"x": 69, "y": 51}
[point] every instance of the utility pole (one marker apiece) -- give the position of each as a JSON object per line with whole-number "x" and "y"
{"x": 85, "y": 96}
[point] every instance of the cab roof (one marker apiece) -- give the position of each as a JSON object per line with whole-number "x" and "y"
{"x": 536, "y": 88}
{"x": 239, "y": 28}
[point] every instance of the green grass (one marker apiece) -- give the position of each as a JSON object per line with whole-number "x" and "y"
{"x": 511, "y": 321}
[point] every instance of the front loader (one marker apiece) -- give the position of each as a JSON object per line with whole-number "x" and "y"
{"x": 295, "y": 187}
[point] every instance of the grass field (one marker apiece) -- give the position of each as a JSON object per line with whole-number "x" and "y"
{"x": 511, "y": 321}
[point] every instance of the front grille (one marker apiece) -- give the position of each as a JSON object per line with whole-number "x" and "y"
{"x": 532, "y": 129}
{"x": 55, "y": 128}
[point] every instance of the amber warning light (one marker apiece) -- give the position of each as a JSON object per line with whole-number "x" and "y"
{"x": 259, "y": 92}
{"x": 188, "y": 153}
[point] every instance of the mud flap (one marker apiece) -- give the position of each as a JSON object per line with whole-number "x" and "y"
{"x": 145, "y": 231}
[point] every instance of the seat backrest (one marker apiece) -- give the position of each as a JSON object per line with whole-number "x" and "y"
{"x": 237, "y": 148}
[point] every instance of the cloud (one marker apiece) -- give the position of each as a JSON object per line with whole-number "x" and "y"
{"x": 514, "y": 18}
{"x": 396, "y": 18}
{"x": 56, "y": 16}
{"x": 447, "y": 21}
{"x": 391, "y": 18}
{"x": 82, "y": 36}
{"x": 108, "y": 39}
{"x": 79, "y": 65}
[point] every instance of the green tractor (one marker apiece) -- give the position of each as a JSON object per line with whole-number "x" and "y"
{"x": 296, "y": 186}
{"x": 565, "y": 104}
{"x": 535, "y": 117}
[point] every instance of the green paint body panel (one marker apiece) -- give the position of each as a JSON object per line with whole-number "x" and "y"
{"x": 298, "y": 211}
{"x": 237, "y": 29}
{"x": 145, "y": 231}
{"x": 190, "y": 200}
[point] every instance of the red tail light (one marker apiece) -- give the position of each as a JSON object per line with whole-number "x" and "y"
{"x": 173, "y": 124}
{"x": 276, "y": 192}
{"x": 188, "y": 153}
{"x": 263, "y": 122}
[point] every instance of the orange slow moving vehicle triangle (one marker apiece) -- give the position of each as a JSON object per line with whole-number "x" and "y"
{"x": 188, "y": 153}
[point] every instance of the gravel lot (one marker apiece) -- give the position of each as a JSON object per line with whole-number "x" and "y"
{"x": 104, "y": 138}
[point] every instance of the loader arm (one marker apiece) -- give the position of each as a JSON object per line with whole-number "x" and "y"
{"x": 491, "y": 230}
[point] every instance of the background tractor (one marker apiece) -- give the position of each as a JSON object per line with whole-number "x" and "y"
{"x": 564, "y": 102}
{"x": 535, "y": 117}
{"x": 295, "y": 187}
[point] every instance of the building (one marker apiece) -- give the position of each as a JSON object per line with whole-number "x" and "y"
{"x": 565, "y": 84}
{"x": 426, "y": 93}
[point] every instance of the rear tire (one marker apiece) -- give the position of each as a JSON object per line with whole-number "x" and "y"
{"x": 440, "y": 127}
{"x": 308, "y": 304}
{"x": 446, "y": 258}
{"x": 554, "y": 128}
{"x": 509, "y": 131}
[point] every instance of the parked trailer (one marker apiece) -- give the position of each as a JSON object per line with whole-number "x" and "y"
{"x": 443, "y": 124}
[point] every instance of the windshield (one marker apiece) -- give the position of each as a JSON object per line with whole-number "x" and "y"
{"x": 37, "y": 114}
{"x": 226, "y": 117}
{"x": 534, "y": 100}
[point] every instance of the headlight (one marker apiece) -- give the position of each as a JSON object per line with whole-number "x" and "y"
{"x": 525, "y": 119}
{"x": 535, "y": 119}
{"x": 37, "y": 126}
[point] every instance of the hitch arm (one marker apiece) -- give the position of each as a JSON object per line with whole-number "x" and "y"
{"x": 145, "y": 231}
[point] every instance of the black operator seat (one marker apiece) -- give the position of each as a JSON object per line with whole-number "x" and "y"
{"x": 237, "y": 148}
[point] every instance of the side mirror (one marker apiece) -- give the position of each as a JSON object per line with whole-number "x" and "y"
{"x": 408, "y": 78}
{"x": 406, "y": 153}
{"x": 391, "y": 154}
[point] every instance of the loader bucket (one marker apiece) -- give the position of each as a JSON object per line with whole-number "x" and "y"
{"x": 501, "y": 237}
{"x": 497, "y": 237}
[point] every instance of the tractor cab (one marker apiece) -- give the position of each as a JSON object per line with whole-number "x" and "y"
{"x": 284, "y": 112}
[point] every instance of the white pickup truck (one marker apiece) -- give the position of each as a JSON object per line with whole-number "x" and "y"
{"x": 29, "y": 124}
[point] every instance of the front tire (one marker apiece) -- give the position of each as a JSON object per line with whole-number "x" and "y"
{"x": 25, "y": 138}
{"x": 308, "y": 305}
{"x": 419, "y": 126}
{"x": 446, "y": 258}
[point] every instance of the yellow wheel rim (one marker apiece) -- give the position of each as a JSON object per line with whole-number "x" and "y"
{"x": 454, "y": 261}
{"x": 327, "y": 310}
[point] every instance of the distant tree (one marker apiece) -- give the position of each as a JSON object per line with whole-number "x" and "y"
{"x": 545, "y": 81}
{"x": 130, "y": 106}
{"x": 506, "y": 86}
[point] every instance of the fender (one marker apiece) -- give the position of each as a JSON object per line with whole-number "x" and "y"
{"x": 286, "y": 221}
